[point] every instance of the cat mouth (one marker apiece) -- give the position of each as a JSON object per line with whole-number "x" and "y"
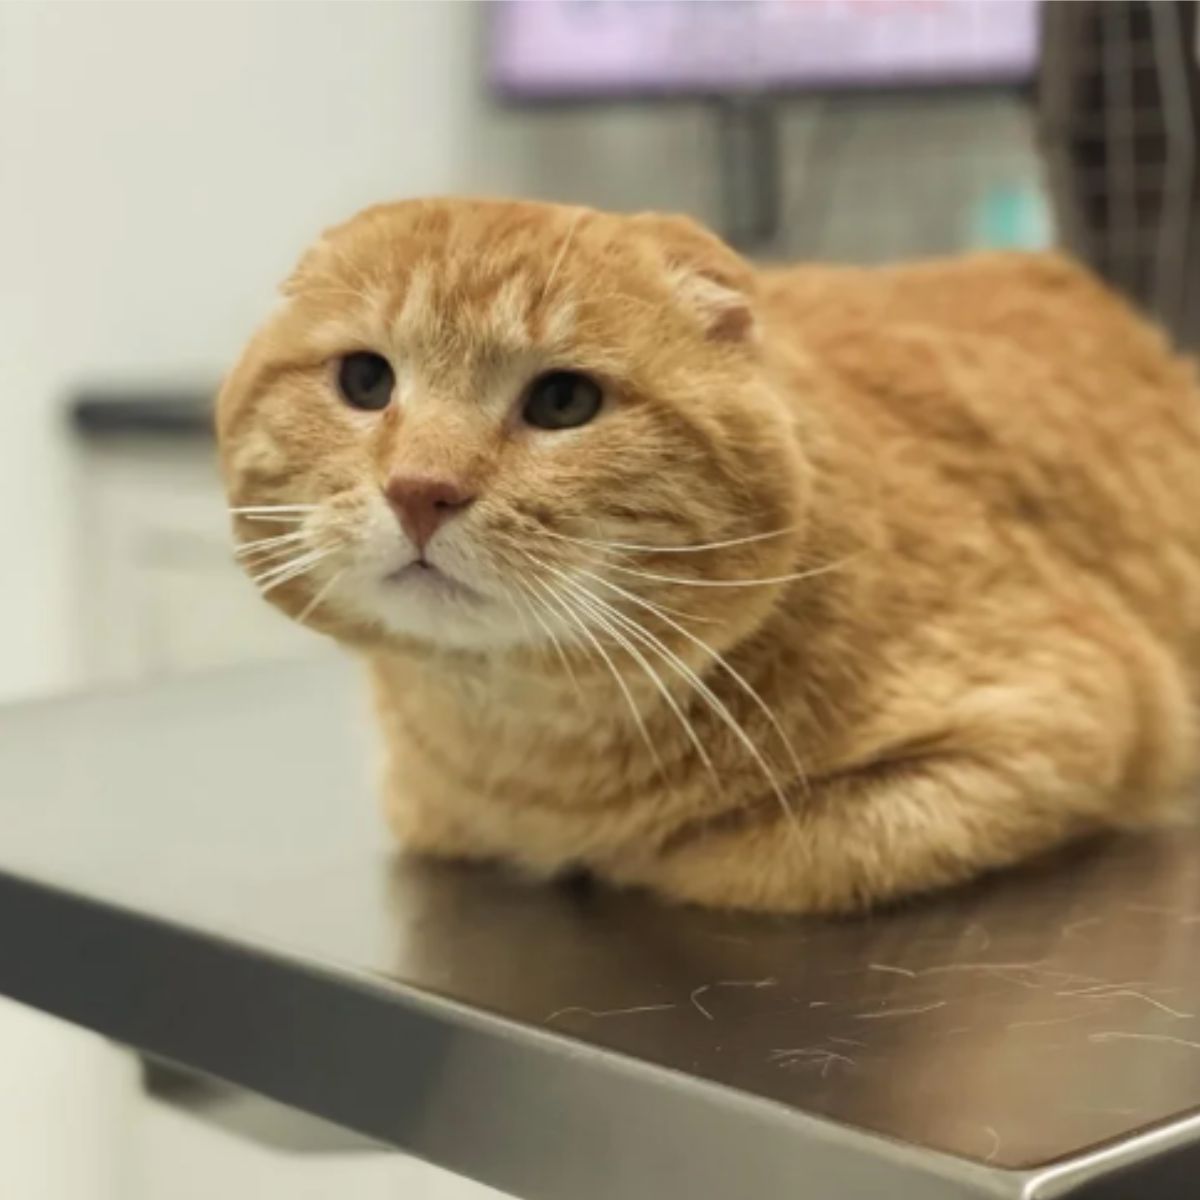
{"x": 420, "y": 575}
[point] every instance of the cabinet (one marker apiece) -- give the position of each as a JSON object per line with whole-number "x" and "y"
{"x": 157, "y": 590}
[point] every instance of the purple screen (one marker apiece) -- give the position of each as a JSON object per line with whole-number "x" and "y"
{"x": 579, "y": 48}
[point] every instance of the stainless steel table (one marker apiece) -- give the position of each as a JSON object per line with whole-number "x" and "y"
{"x": 198, "y": 870}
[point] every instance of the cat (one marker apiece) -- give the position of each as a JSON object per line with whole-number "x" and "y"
{"x": 797, "y": 590}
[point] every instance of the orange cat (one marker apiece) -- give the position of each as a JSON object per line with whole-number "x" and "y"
{"x": 788, "y": 590}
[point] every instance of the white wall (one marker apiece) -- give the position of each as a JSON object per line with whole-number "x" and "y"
{"x": 161, "y": 164}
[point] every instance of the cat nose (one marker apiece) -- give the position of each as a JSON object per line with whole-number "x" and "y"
{"x": 422, "y": 503}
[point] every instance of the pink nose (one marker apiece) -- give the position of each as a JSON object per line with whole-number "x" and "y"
{"x": 423, "y": 503}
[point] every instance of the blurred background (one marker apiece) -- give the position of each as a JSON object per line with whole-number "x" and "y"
{"x": 163, "y": 164}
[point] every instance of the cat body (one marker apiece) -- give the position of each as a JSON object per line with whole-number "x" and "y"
{"x": 857, "y": 582}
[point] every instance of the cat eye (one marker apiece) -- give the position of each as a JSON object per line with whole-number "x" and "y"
{"x": 366, "y": 380}
{"x": 561, "y": 400}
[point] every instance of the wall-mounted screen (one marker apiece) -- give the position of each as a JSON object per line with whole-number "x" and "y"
{"x": 579, "y": 49}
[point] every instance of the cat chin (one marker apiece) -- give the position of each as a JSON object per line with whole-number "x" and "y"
{"x": 437, "y": 616}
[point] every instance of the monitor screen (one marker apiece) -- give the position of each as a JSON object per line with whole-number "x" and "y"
{"x": 564, "y": 49}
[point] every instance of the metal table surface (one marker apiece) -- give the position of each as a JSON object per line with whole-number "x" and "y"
{"x": 199, "y": 870}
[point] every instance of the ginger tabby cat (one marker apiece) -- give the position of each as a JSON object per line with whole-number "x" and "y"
{"x": 795, "y": 590}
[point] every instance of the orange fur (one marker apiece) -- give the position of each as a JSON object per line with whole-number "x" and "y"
{"x": 984, "y": 473}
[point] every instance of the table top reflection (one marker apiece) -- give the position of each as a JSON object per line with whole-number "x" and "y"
{"x": 200, "y": 870}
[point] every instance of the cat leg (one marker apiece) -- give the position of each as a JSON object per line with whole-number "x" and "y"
{"x": 1009, "y": 772}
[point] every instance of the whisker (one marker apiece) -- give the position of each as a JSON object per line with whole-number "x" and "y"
{"x": 520, "y": 605}
{"x": 259, "y": 559}
{"x": 732, "y": 583}
{"x": 582, "y": 626}
{"x": 321, "y": 593}
{"x": 562, "y": 253}
{"x": 273, "y": 508}
{"x": 555, "y": 640}
{"x": 275, "y": 576}
{"x": 719, "y": 660}
{"x": 648, "y": 549}
{"x": 276, "y": 519}
{"x": 267, "y": 543}
{"x": 284, "y": 568}
{"x": 635, "y": 629}
{"x": 300, "y": 571}
{"x": 689, "y": 729}
{"x": 657, "y": 607}
{"x": 345, "y": 293}
{"x": 283, "y": 564}
{"x": 675, "y": 612}
{"x": 603, "y": 562}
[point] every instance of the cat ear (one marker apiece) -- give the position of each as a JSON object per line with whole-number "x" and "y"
{"x": 724, "y": 310}
{"x": 707, "y": 276}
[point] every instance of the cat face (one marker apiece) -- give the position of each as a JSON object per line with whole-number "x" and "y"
{"x": 475, "y": 424}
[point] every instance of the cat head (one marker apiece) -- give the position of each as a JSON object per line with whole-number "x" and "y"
{"x": 481, "y": 425}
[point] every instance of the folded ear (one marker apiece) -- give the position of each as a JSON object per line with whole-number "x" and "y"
{"x": 709, "y": 278}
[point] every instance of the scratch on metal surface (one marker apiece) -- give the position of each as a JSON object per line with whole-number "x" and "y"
{"x": 1116, "y": 1035}
{"x": 1108, "y": 987}
{"x": 770, "y": 981}
{"x": 886, "y": 969}
{"x": 819, "y": 1003}
{"x": 1079, "y": 1016}
{"x": 810, "y": 1056}
{"x": 1030, "y": 985}
{"x": 987, "y": 937}
{"x": 1158, "y": 910}
{"x": 1034, "y": 976}
{"x": 900, "y": 1012}
{"x": 580, "y": 1010}
{"x": 845, "y": 1041}
{"x": 1074, "y": 927}
{"x": 1127, "y": 993}
{"x": 991, "y": 1155}
{"x": 949, "y": 968}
